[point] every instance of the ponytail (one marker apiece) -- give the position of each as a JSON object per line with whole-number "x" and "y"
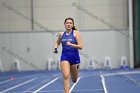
{"x": 74, "y": 28}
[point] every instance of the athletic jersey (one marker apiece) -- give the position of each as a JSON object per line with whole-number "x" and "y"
{"x": 69, "y": 53}
{"x": 68, "y": 38}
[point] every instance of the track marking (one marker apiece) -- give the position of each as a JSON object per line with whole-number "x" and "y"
{"x": 18, "y": 85}
{"x": 103, "y": 83}
{"x": 37, "y": 85}
{"x": 122, "y": 73}
{"x": 74, "y": 84}
{"x": 5, "y": 81}
{"x": 45, "y": 85}
{"x": 87, "y": 90}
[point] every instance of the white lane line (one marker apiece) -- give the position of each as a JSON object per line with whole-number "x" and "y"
{"x": 49, "y": 91}
{"x": 103, "y": 83}
{"x": 87, "y": 90}
{"x": 36, "y": 85}
{"x": 5, "y": 81}
{"x": 18, "y": 85}
{"x": 74, "y": 84}
{"x": 122, "y": 73}
{"x": 45, "y": 85}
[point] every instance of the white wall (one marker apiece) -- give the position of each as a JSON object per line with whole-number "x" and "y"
{"x": 51, "y": 14}
{"x": 112, "y": 11}
{"x": 99, "y": 44}
{"x": 11, "y": 18}
{"x": 36, "y": 48}
{"x": 99, "y": 39}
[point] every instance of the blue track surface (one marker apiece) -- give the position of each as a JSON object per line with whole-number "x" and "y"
{"x": 52, "y": 82}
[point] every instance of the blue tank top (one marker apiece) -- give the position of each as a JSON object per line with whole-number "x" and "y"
{"x": 65, "y": 38}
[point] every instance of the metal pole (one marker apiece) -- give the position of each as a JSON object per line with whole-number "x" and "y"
{"x": 130, "y": 9}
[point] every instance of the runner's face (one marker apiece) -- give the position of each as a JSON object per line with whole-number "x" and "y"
{"x": 68, "y": 24}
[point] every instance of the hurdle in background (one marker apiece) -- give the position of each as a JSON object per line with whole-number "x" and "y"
{"x": 15, "y": 66}
{"x": 53, "y": 64}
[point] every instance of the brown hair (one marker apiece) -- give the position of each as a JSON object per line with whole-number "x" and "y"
{"x": 73, "y": 28}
